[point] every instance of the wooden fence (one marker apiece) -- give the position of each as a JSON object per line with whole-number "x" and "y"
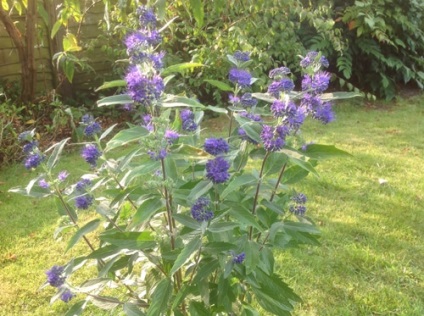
{"x": 45, "y": 48}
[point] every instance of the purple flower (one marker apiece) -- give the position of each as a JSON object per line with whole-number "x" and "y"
{"x": 216, "y": 146}
{"x": 283, "y": 108}
{"x": 201, "y": 211}
{"x": 251, "y": 116}
{"x": 66, "y": 295}
{"x": 308, "y": 59}
{"x": 298, "y": 209}
{"x": 278, "y": 73}
{"x": 92, "y": 128}
{"x": 28, "y": 147}
{"x": 62, "y": 175}
{"x": 234, "y": 100}
{"x": 161, "y": 154}
{"x": 239, "y": 258}
{"x": 187, "y": 118}
{"x": 82, "y": 185}
{"x": 83, "y": 202}
{"x": 42, "y": 183}
{"x": 33, "y": 160}
{"x": 91, "y": 153}
{"x": 147, "y": 122}
{"x": 25, "y": 136}
{"x": 274, "y": 138}
{"x": 217, "y": 170}
{"x": 296, "y": 119}
{"x": 171, "y": 136}
{"x": 146, "y": 16}
{"x": 55, "y": 276}
{"x": 247, "y": 100}
{"x": 324, "y": 61}
{"x": 276, "y": 87}
{"x": 299, "y": 198}
{"x": 240, "y": 77}
{"x": 318, "y": 83}
{"x": 324, "y": 113}
{"x": 242, "y": 56}
{"x": 143, "y": 89}
{"x": 310, "y": 101}
{"x": 87, "y": 119}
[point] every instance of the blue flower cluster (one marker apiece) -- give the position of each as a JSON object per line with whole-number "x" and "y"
{"x": 274, "y": 138}
{"x": 83, "y": 200}
{"x": 201, "y": 211}
{"x": 144, "y": 84}
{"x": 239, "y": 258}
{"x": 91, "y": 126}
{"x": 30, "y": 147}
{"x": 187, "y": 119}
{"x": 298, "y": 207}
{"x": 91, "y": 153}
{"x": 216, "y": 146}
{"x": 56, "y": 278}
{"x": 217, "y": 170}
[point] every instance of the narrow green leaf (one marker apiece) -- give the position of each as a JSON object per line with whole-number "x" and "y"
{"x": 104, "y": 302}
{"x": 219, "y": 227}
{"x": 180, "y": 68}
{"x": 252, "y": 256}
{"x": 107, "y": 131}
{"x": 93, "y": 284}
{"x": 198, "y": 12}
{"x": 56, "y": 27}
{"x": 87, "y": 228}
{"x": 218, "y": 246}
{"x": 237, "y": 182}
{"x": 244, "y": 216}
{"x": 185, "y": 254}
{"x": 187, "y": 221}
{"x": 324, "y": 151}
{"x": 219, "y": 84}
{"x": 198, "y": 309}
{"x": 57, "y": 150}
{"x": 341, "y": 95}
{"x": 115, "y": 99}
{"x": 160, "y": 298}
{"x": 126, "y": 136}
{"x": 147, "y": 209}
{"x": 172, "y": 101}
{"x": 77, "y": 308}
{"x": 200, "y": 189}
{"x": 132, "y": 310}
{"x": 112, "y": 84}
{"x": 129, "y": 240}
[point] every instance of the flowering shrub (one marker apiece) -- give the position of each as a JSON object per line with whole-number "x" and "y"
{"x": 185, "y": 225}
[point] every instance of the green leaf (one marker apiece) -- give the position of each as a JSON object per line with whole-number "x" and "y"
{"x": 294, "y": 174}
{"x": 87, "y": 228}
{"x": 132, "y": 310}
{"x": 180, "y": 68}
{"x": 243, "y": 215}
{"x": 107, "y": 131}
{"x": 112, "y": 84}
{"x": 126, "y": 136}
{"x": 324, "y": 151}
{"x": 198, "y": 309}
{"x": 160, "y": 298}
{"x": 187, "y": 221}
{"x": 115, "y": 99}
{"x": 218, "y": 246}
{"x": 216, "y": 109}
{"x": 185, "y": 254}
{"x": 179, "y": 101}
{"x": 129, "y": 240}
{"x": 252, "y": 256}
{"x": 219, "y": 227}
{"x": 56, "y": 27}
{"x": 70, "y": 43}
{"x": 252, "y": 129}
{"x": 200, "y": 189}
{"x": 275, "y": 163}
{"x": 340, "y": 95}
{"x": 237, "y": 182}
{"x": 147, "y": 209}
{"x": 219, "y": 84}
{"x": 104, "y": 252}
{"x": 198, "y": 12}
{"x": 77, "y": 308}
{"x": 93, "y": 284}
{"x": 104, "y": 302}
{"x": 205, "y": 270}
{"x": 57, "y": 150}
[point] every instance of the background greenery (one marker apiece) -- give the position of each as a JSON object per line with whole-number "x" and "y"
{"x": 370, "y": 260}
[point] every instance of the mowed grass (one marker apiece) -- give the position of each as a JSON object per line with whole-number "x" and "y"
{"x": 369, "y": 208}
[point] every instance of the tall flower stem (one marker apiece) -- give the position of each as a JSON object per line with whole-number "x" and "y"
{"x": 258, "y": 187}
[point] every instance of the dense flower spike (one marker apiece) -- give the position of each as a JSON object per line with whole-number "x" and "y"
{"x": 216, "y": 146}
{"x": 66, "y": 295}
{"x": 33, "y": 160}
{"x": 279, "y": 73}
{"x": 298, "y": 207}
{"x": 92, "y": 129}
{"x": 308, "y": 59}
{"x": 242, "y": 56}
{"x": 299, "y": 198}
{"x": 42, "y": 183}
{"x": 142, "y": 88}
{"x": 217, "y": 170}
{"x": 62, "y": 175}
{"x": 284, "y": 85}
{"x": 55, "y": 276}
{"x": 28, "y": 147}
{"x": 318, "y": 83}
{"x": 247, "y": 100}
{"x": 146, "y": 16}
{"x": 187, "y": 118}
{"x": 239, "y": 258}
{"x": 324, "y": 113}
{"x": 83, "y": 202}
{"x": 201, "y": 211}
{"x": 274, "y": 138}
{"x": 82, "y": 185}
{"x": 241, "y": 77}
{"x": 171, "y": 136}
{"x": 91, "y": 153}
{"x": 160, "y": 154}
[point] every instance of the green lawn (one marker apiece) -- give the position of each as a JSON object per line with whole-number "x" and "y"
{"x": 371, "y": 261}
